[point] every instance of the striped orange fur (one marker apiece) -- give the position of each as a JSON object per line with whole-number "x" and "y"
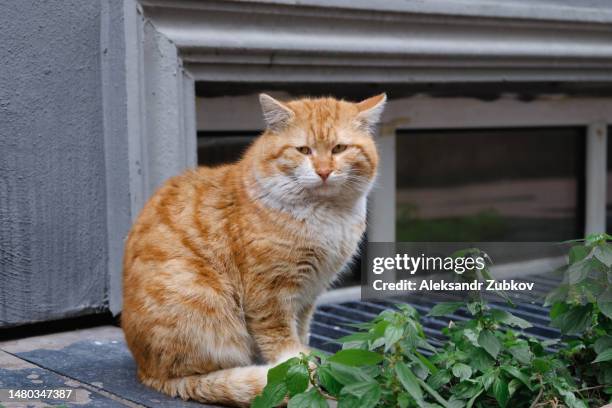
{"x": 223, "y": 265}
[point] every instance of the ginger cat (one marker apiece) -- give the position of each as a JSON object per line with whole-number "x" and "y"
{"x": 223, "y": 265}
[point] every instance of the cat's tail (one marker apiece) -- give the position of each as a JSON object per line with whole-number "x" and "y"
{"x": 233, "y": 386}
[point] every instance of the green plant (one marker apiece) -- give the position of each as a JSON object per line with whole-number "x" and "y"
{"x": 581, "y": 308}
{"x": 488, "y": 360}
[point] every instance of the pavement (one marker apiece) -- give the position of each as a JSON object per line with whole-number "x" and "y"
{"x": 95, "y": 363}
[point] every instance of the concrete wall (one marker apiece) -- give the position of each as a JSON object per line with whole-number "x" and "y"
{"x": 53, "y": 211}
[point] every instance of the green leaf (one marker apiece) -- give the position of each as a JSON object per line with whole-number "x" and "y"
{"x": 425, "y": 345}
{"x": 362, "y": 326}
{"x": 404, "y": 400}
{"x": 273, "y": 394}
{"x": 393, "y": 334}
{"x": 508, "y": 318}
{"x": 578, "y": 253}
{"x": 297, "y": 379}
{"x": 331, "y": 385}
{"x": 557, "y": 295}
{"x": 487, "y": 379}
{"x": 309, "y": 399}
{"x": 433, "y": 393}
{"x": 356, "y": 358}
{"x": 378, "y": 330}
{"x": 379, "y": 342}
{"x": 278, "y": 373}
{"x": 541, "y": 365}
{"x": 319, "y": 353}
{"x": 604, "y": 302}
{"x": 513, "y": 385}
{"x": 425, "y": 361}
{"x": 471, "y": 336}
{"x": 604, "y": 254}
{"x": 455, "y": 403}
{"x": 462, "y": 371}
{"x": 371, "y": 371}
{"x": 489, "y": 342}
{"x": 574, "y": 321}
{"x": 579, "y": 271}
{"x": 442, "y": 377}
{"x": 474, "y": 307}
{"x": 443, "y": 309}
{"x": 604, "y": 356}
{"x": 367, "y": 394}
{"x": 521, "y": 353}
{"x": 361, "y": 388}
{"x": 408, "y": 310}
{"x": 258, "y": 402}
{"x": 500, "y": 391}
{"x": 347, "y": 375}
{"x": 599, "y": 238}
{"x": 359, "y": 336}
{"x": 569, "y": 398}
{"x": 605, "y": 308}
{"x": 409, "y": 381}
{"x": 466, "y": 389}
{"x": 470, "y": 403}
{"x": 602, "y": 344}
{"x": 558, "y": 309}
{"x": 516, "y": 373}
{"x": 480, "y": 360}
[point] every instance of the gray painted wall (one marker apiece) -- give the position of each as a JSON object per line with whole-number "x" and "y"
{"x": 53, "y": 212}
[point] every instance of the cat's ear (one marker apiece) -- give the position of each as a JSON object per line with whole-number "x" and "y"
{"x": 370, "y": 111}
{"x": 276, "y": 114}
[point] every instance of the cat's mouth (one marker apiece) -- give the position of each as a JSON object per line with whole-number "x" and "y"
{"x": 325, "y": 189}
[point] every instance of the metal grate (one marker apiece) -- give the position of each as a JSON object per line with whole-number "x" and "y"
{"x": 331, "y": 321}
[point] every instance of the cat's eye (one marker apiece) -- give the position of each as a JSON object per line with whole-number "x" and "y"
{"x": 339, "y": 148}
{"x": 304, "y": 149}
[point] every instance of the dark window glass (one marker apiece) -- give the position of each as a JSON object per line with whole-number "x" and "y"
{"x": 490, "y": 185}
{"x": 216, "y": 148}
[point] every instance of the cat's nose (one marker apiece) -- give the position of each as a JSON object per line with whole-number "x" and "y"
{"x": 324, "y": 173}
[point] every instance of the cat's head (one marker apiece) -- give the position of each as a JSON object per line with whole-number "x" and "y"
{"x": 318, "y": 148}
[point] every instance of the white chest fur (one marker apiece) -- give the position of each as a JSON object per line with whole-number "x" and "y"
{"x": 337, "y": 232}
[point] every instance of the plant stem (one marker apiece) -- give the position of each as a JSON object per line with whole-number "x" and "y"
{"x": 537, "y": 398}
{"x": 591, "y": 388}
{"x": 316, "y": 387}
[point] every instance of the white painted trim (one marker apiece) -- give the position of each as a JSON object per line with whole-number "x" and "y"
{"x": 160, "y": 125}
{"x": 596, "y": 177}
{"x": 160, "y": 106}
{"x": 425, "y": 112}
{"x": 169, "y": 149}
{"x": 381, "y": 211}
{"x": 348, "y": 294}
{"x": 135, "y": 96}
{"x": 188, "y": 113}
